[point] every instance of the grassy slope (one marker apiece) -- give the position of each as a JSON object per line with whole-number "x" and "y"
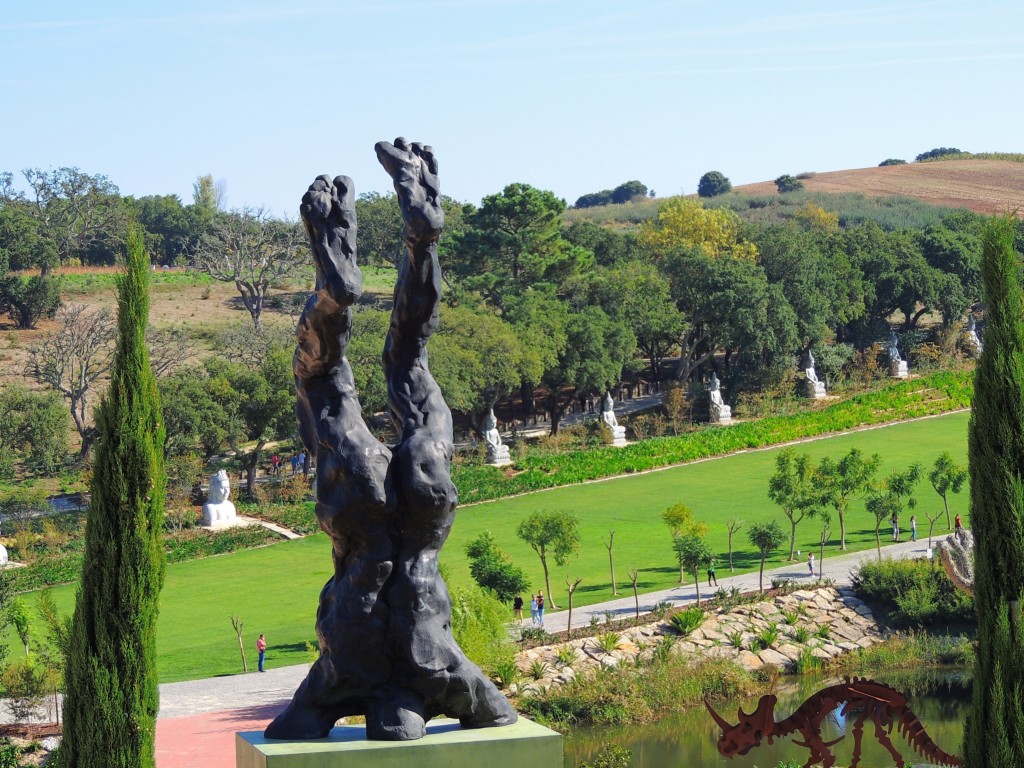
{"x": 275, "y": 589}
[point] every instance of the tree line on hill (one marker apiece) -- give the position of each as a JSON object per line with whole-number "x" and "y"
{"x": 534, "y": 310}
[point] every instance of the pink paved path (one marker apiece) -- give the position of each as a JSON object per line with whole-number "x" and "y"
{"x": 208, "y": 740}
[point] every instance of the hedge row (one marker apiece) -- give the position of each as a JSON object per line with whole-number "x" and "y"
{"x": 65, "y": 567}
{"x": 929, "y": 395}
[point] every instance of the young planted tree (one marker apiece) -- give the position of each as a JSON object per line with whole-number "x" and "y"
{"x": 555, "y": 532}
{"x": 692, "y": 552}
{"x": 634, "y": 577}
{"x": 732, "y": 526}
{"x": 238, "y": 625}
{"x": 992, "y": 732}
{"x": 892, "y": 497}
{"x": 111, "y": 696}
{"x": 845, "y": 480}
{"x": 794, "y": 488}
{"x": 946, "y": 477}
{"x": 570, "y": 587}
{"x": 826, "y": 531}
{"x": 611, "y": 560}
{"x": 766, "y": 538}
{"x": 680, "y": 521}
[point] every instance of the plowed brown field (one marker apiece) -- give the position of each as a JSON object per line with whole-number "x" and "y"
{"x": 986, "y": 186}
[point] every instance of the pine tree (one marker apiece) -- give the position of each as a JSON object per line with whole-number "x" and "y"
{"x": 111, "y": 685}
{"x": 995, "y": 725}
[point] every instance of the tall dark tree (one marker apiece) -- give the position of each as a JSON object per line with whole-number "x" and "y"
{"x": 713, "y": 183}
{"x": 992, "y": 733}
{"x": 111, "y": 695}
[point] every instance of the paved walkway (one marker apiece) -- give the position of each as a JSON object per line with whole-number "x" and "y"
{"x": 198, "y": 718}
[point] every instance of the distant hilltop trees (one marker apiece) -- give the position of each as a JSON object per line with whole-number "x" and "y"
{"x": 712, "y": 184}
{"x": 623, "y": 193}
{"x": 932, "y": 154}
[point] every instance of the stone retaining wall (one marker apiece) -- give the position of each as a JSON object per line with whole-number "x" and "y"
{"x": 850, "y": 626}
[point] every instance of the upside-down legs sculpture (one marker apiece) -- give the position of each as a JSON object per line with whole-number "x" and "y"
{"x": 386, "y": 646}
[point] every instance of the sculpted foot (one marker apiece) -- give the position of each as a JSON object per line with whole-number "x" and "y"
{"x": 329, "y": 215}
{"x": 413, "y": 168}
{"x": 399, "y": 717}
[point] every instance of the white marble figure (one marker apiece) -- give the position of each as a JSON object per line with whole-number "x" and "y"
{"x": 218, "y": 511}
{"x": 973, "y": 340}
{"x": 720, "y": 412}
{"x": 897, "y": 365}
{"x": 815, "y": 389}
{"x": 4, "y": 557}
{"x": 497, "y": 451}
{"x": 608, "y": 417}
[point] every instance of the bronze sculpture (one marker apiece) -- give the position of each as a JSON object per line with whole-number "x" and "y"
{"x": 386, "y": 646}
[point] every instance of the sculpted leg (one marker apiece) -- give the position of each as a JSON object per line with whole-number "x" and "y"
{"x": 353, "y": 483}
{"x": 428, "y": 661}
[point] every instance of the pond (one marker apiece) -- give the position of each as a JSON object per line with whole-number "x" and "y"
{"x": 939, "y": 697}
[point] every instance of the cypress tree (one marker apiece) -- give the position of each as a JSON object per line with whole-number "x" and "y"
{"x": 111, "y": 695}
{"x": 994, "y": 730}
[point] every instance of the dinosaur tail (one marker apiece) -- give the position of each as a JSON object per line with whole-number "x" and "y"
{"x": 918, "y": 738}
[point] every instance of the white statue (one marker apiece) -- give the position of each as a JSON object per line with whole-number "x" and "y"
{"x": 720, "y": 412}
{"x": 608, "y": 417}
{"x": 973, "y": 340}
{"x": 218, "y": 511}
{"x": 497, "y": 452}
{"x": 4, "y": 557}
{"x": 897, "y": 365}
{"x": 815, "y": 389}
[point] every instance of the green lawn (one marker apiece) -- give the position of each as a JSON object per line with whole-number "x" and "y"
{"x": 274, "y": 589}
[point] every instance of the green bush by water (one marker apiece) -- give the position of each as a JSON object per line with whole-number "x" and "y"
{"x": 913, "y": 593}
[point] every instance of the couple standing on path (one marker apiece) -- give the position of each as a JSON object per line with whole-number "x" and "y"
{"x": 537, "y": 608}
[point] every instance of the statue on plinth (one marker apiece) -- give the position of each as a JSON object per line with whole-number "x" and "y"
{"x": 218, "y": 511}
{"x": 720, "y": 412}
{"x": 497, "y": 452}
{"x": 814, "y": 388}
{"x": 974, "y": 344}
{"x": 384, "y": 621}
{"x": 897, "y": 365}
{"x": 609, "y": 420}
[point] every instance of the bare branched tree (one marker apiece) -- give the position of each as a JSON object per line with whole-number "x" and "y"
{"x": 241, "y": 343}
{"x": 74, "y": 359}
{"x": 169, "y": 348}
{"x": 254, "y": 251}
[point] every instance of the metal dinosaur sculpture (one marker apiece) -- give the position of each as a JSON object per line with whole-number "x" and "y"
{"x": 866, "y": 699}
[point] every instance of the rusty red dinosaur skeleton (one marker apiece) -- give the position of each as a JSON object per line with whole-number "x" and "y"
{"x": 883, "y": 705}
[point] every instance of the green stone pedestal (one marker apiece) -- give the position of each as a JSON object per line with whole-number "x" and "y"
{"x": 446, "y": 745}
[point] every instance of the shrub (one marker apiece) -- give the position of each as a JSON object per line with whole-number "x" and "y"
{"x": 824, "y": 632}
{"x": 787, "y": 183}
{"x": 790, "y": 617}
{"x": 611, "y": 756}
{"x": 802, "y": 634}
{"x": 566, "y": 655}
{"x": 608, "y": 641}
{"x": 767, "y": 637}
{"x": 23, "y": 682}
{"x": 538, "y": 669}
{"x": 807, "y": 662}
{"x": 912, "y": 593}
{"x": 891, "y": 161}
{"x": 479, "y": 625}
{"x": 736, "y": 639}
{"x": 507, "y": 672}
{"x": 688, "y": 620}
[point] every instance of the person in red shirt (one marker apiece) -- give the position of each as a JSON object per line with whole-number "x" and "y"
{"x": 261, "y": 646}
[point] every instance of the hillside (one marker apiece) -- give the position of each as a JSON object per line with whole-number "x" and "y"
{"x": 985, "y": 186}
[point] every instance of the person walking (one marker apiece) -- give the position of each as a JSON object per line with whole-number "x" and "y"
{"x": 958, "y": 526}
{"x": 295, "y": 463}
{"x": 517, "y": 609}
{"x": 302, "y": 462}
{"x": 913, "y": 527}
{"x": 895, "y": 527}
{"x": 711, "y": 572}
{"x": 261, "y": 646}
{"x": 533, "y": 609}
{"x": 275, "y": 463}
{"x": 810, "y": 563}
{"x": 540, "y": 608}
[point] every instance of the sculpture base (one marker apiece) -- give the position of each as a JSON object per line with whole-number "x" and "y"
{"x": 499, "y": 462}
{"x": 721, "y": 414}
{"x": 898, "y": 369}
{"x": 814, "y": 389}
{"x": 446, "y": 745}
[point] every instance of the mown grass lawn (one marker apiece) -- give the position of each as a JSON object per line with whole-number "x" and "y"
{"x": 274, "y": 589}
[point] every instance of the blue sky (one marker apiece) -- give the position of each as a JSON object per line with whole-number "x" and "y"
{"x": 569, "y": 95}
